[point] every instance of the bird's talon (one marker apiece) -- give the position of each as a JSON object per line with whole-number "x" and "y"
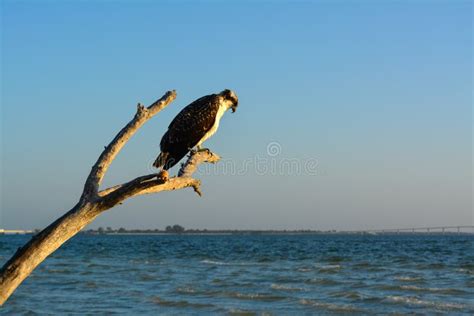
{"x": 163, "y": 176}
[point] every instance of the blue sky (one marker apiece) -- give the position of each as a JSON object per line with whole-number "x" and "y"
{"x": 377, "y": 94}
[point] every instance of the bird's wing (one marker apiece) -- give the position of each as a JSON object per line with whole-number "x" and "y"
{"x": 192, "y": 123}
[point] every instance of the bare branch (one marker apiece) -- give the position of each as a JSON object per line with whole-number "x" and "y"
{"x": 152, "y": 183}
{"x": 195, "y": 159}
{"x": 174, "y": 183}
{"x": 92, "y": 202}
{"x": 143, "y": 114}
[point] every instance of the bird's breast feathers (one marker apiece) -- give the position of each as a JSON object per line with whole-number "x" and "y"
{"x": 220, "y": 112}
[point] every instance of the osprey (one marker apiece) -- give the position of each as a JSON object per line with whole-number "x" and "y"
{"x": 192, "y": 126}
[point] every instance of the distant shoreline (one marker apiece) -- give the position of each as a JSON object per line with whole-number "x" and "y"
{"x": 251, "y": 233}
{"x": 229, "y": 233}
{"x": 180, "y": 230}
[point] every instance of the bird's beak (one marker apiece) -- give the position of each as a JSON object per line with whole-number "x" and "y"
{"x": 234, "y": 108}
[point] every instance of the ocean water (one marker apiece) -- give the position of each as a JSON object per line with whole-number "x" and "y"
{"x": 249, "y": 274}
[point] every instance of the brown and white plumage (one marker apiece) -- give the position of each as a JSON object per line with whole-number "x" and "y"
{"x": 192, "y": 126}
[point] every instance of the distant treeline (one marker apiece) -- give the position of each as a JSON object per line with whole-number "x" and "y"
{"x": 178, "y": 229}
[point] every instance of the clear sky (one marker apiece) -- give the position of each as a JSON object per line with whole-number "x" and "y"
{"x": 368, "y": 102}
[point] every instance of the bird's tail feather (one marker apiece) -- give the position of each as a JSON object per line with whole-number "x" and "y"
{"x": 160, "y": 160}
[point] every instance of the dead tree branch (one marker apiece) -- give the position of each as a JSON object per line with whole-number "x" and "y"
{"x": 93, "y": 202}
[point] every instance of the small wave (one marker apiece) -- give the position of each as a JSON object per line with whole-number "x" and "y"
{"x": 362, "y": 265}
{"x": 431, "y": 266}
{"x": 189, "y": 290}
{"x": 411, "y": 288}
{"x": 433, "y": 289}
{"x": 335, "y": 259}
{"x": 403, "y": 259}
{"x": 217, "y": 281}
{"x": 370, "y": 268}
{"x": 320, "y": 281}
{"x": 408, "y": 278}
{"x": 241, "y": 312}
{"x": 58, "y": 271}
{"x": 285, "y": 288}
{"x": 186, "y": 290}
{"x": 469, "y": 266}
{"x": 329, "y": 306}
{"x": 146, "y": 277}
{"x": 304, "y": 269}
{"x": 435, "y": 266}
{"x": 255, "y": 296}
{"x": 330, "y": 267}
{"x": 64, "y": 264}
{"x": 287, "y": 279}
{"x": 411, "y": 300}
{"x": 264, "y": 259}
{"x": 222, "y": 263}
{"x": 144, "y": 262}
{"x": 86, "y": 272}
{"x": 98, "y": 265}
{"x": 217, "y": 263}
{"x": 181, "y": 303}
{"x": 347, "y": 294}
{"x": 90, "y": 284}
{"x": 414, "y": 288}
{"x": 467, "y": 271}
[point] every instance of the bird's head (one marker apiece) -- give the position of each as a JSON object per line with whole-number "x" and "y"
{"x": 230, "y": 95}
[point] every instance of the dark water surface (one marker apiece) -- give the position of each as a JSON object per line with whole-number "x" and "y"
{"x": 270, "y": 275}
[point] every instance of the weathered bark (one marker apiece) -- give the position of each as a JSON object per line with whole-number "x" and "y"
{"x": 93, "y": 202}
